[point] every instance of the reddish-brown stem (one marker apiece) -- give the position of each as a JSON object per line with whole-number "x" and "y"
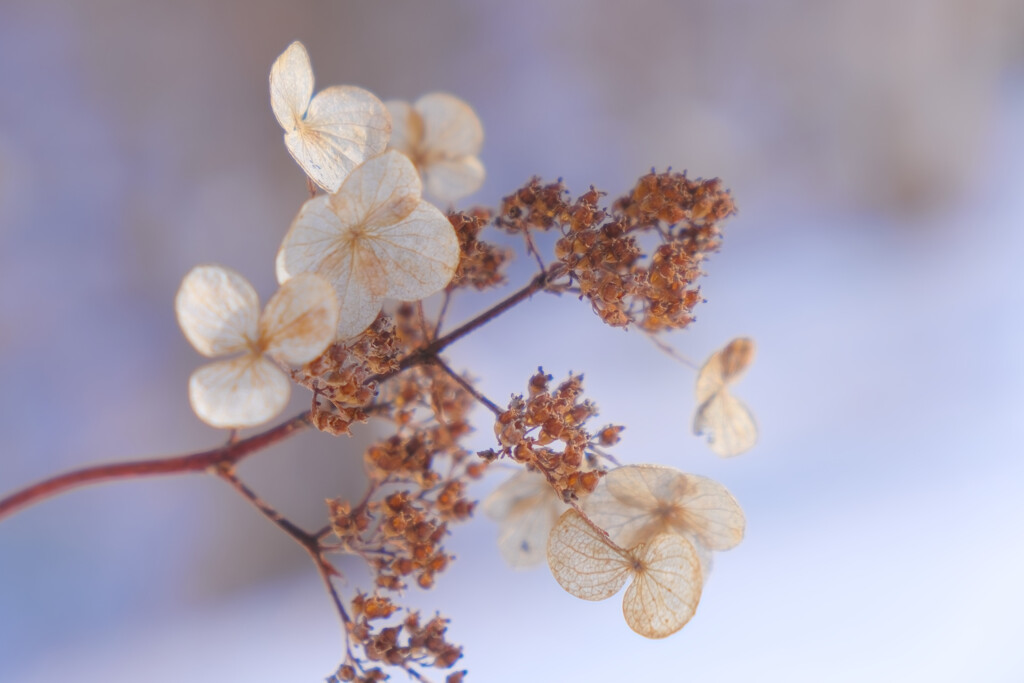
{"x": 473, "y": 391}
{"x": 227, "y": 454}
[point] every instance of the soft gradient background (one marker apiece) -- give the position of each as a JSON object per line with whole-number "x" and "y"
{"x": 876, "y": 149}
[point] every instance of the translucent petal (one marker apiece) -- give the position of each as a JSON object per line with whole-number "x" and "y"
{"x": 452, "y": 179}
{"x": 583, "y": 562}
{"x": 524, "y": 485}
{"x": 343, "y": 127}
{"x": 291, "y": 86}
{"x": 218, "y": 310}
{"x": 635, "y": 502}
{"x": 406, "y": 128}
{"x": 730, "y": 427}
{"x": 666, "y": 589}
{"x": 241, "y": 392}
{"x": 707, "y": 511}
{"x": 524, "y": 533}
{"x": 418, "y": 253}
{"x": 451, "y": 127}
{"x": 379, "y": 193}
{"x": 318, "y": 242}
{"x": 300, "y": 320}
{"x": 527, "y": 508}
{"x": 724, "y": 367}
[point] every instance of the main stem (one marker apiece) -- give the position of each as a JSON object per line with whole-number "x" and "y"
{"x": 234, "y": 452}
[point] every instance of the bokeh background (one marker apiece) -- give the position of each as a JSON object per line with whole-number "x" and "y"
{"x": 876, "y": 151}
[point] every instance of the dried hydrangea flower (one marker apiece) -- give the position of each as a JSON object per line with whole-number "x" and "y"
{"x": 634, "y": 503}
{"x": 375, "y": 238}
{"x": 665, "y": 570}
{"x": 442, "y": 135}
{"x": 724, "y": 418}
{"x": 526, "y": 508}
{"x": 331, "y": 133}
{"x": 219, "y": 312}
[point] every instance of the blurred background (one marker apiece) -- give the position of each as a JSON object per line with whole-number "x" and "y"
{"x": 876, "y": 152}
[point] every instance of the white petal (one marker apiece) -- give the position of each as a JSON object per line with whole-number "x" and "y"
{"x": 730, "y": 427}
{"x": 380, "y": 192}
{"x": 528, "y": 509}
{"x": 300, "y": 320}
{"x": 241, "y": 392}
{"x": 291, "y": 86}
{"x": 524, "y": 485}
{"x": 583, "y": 562}
{"x": 451, "y": 127}
{"x": 524, "y": 534}
{"x": 665, "y": 591}
{"x": 419, "y": 254}
{"x": 452, "y": 179}
{"x": 218, "y": 310}
{"x": 343, "y": 127}
{"x": 318, "y": 242}
{"x": 627, "y": 522}
{"x": 406, "y": 127}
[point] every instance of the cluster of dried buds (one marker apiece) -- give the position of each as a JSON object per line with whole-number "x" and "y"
{"x": 602, "y": 252}
{"x": 370, "y": 238}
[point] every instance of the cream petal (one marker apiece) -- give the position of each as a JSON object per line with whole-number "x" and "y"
{"x": 728, "y": 424}
{"x": 453, "y": 179}
{"x": 451, "y": 127}
{"x": 291, "y": 86}
{"x": 218, "y": 310}
{"x": 419, "y": 253}
{"x": 241, "y": 392}
{"x": 379, "y": 193}
{"x": 406, "y": 127}
{"x": 583, "y": 562}
{"x": 627, "y": 523}
{"x": 343, "y": 127}
{"x": 318, "y": 242}
{"x": 666, "y": 589}
{"x": 300, "y": 320}
{"x": 710, "y": 514}
{"x": 724, "y": 367}
{"x": 313, "y": 243}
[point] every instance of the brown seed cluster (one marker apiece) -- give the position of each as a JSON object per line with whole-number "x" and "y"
{"x": 343, "y": 375}
{"x": 546, "y": 431}
{"x": 481, "y": 264}
{"x": 603, "y": 250}
{"x": 408, "y": 644}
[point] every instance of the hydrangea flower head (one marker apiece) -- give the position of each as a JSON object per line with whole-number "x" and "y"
{"x": 443, "y": 136}
{"x": 219, "y": 312}
{"x": 665, "y": 570}
{"x": 375, "y": 238}
{"x": 332, "y": 132}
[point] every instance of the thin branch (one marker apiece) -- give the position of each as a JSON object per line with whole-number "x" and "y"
{"x": 461, "y": 381}
{"x": 228, "y": 454}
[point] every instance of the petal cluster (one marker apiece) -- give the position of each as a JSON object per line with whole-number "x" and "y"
{"x": 635, "y": 503}
{"x": 724, "y": 418}
{"x": 375, "y": 238}
{"x": 666, "y": 574}
{"x": 219, "y": 313}
{"x": 332, "y": 132}
{"x": 443, "y": 136}
{"x": 526, "y": 509}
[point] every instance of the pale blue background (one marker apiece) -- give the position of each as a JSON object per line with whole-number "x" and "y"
{"x": 876, "y": 150}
